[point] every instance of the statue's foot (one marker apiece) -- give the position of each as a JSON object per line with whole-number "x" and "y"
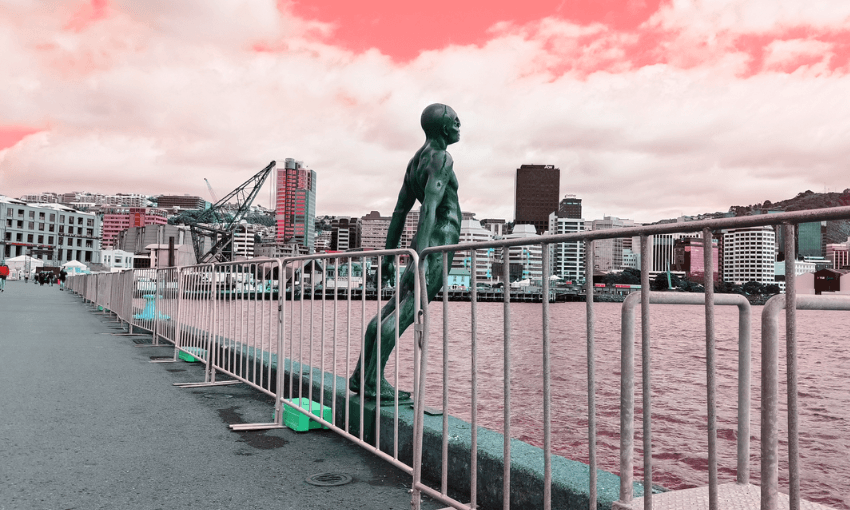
{"x": 387, "y": 390}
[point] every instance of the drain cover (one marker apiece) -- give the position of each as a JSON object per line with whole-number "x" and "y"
{"x": 328, "y": 479}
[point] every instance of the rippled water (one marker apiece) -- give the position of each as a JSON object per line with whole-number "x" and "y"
{"x": 678, "y": 381}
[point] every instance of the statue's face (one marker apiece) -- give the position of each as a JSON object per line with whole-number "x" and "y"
{"x": 452, "y": 128}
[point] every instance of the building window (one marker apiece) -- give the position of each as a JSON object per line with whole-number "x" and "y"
{"x": 90, "y": 222}
{"x": 29, "y": 238}
{"x": 31, "y": 225}
{"x": 32, "y": 214}
{"x": 41, "y": 216}
{"x": 41, "y": 226}
{"x": 20, "y": 224}
{"x": 50, "y": 240}
{"x": 61, "y": 218}
{"x": 52, "y": 216}
{"x": 40, "y": 239}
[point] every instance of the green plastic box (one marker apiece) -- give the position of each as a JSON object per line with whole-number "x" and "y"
{"x": 300, "y": 422}
{"x": 197, "y": 351}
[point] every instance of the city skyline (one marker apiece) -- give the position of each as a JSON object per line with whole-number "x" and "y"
{"x": 650, "y": 109}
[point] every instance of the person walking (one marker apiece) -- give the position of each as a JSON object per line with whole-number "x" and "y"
{"x": 4, "y": 272}
{"x": 62, "y": 276}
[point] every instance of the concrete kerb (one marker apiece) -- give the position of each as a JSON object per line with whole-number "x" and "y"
{"x": 570, "y": 488}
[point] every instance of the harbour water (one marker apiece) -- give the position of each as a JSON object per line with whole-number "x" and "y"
{"x": 678, "y": 380}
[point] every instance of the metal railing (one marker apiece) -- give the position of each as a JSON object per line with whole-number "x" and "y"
{"x": 307, "y": 328}
{"x": 789, "y": 221}
{"x": 275, "y": 325}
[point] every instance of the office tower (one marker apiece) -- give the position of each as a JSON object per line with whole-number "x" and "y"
{"x": 372, "y": 231}
{"x": 809, "y": 239}
{"x": 295, "y": 204}
{"x": 536, "y": 195}
{"x": 569, "y": 207}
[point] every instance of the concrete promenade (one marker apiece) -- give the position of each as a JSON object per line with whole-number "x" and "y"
{"x": 86, "y": 422}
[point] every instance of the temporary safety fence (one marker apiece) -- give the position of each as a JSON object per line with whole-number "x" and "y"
{"x": 254, "y": 321}
{"x": 769, "y": 486}
{"x": 323, "y": 322}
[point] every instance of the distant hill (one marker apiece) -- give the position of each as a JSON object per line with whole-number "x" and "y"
{"x": 805, "y": 200}
{"x": 837, "y": 231}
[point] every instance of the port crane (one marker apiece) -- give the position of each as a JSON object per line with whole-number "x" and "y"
{"x": 214, "y": 227}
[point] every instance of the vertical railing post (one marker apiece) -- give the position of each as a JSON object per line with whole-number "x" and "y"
{"x": 646, "y": 266}
{"x": 710, "y": 368}
{"x": 473, "y": 447}
{"x": 791, "y": 366}
{"x": 547, "y": 391}
{"x": 591, "y": 370}
{"x": 444, "y": 485}
{"x": 506, "y": 278}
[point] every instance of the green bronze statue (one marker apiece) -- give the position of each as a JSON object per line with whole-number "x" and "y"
{"x": 431, "y": 180}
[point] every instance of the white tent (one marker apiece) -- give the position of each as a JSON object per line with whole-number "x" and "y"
{"x": 75, "y": 267}
{"x": 18, "y": 265}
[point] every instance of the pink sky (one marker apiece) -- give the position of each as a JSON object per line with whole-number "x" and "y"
{"x": 652, "y": 109}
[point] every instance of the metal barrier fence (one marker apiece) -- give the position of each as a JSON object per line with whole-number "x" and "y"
{"x": 769, "y": 489}
{"x": 252, "y": 321}
{"x": 299, "y": 323}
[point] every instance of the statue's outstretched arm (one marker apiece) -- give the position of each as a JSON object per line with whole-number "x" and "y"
{"x": 403, "y": 206}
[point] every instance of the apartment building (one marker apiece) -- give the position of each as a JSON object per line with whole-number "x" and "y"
{"x": 51, "y": 232}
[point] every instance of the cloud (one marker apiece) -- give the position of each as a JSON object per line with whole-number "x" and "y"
{"x": 674, "y": 117}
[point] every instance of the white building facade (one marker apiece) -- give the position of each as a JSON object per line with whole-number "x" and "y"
{"x": 568, "y": 259}
{"x": 471, "y": 231}
{"x": 51, "y": 232}
{"x": 749, "y": 255}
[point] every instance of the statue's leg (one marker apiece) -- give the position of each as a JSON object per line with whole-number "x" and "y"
{"x": 369, "y": 358}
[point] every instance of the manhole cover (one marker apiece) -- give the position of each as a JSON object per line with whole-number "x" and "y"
{"x": 328, "y": 479}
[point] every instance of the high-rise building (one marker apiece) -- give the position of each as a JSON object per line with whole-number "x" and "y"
{"x": 536, "y": 195}
{"x": 567, "y": 258}
{"x": 749, "y": 255}
{"x": 569, "y": 207}
{"x": 372, "y": 231}
{"x": 809, "y": 239}
{"x": 295, "y": 204}
{"x": 608, "y": 253}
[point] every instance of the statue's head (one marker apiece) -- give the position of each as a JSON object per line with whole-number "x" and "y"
{"x": 440, "y": 121}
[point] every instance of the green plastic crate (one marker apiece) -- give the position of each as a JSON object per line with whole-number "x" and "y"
{"x": 300, "y": 422}
{"x": 197, "y": 351}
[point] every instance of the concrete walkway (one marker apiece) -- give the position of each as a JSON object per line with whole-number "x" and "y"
{"x": 86, "y": 422}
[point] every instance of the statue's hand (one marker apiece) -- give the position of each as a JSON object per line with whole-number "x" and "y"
{"x": 387, "y": 272}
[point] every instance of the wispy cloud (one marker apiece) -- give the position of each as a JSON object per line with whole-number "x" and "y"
{"x": 700, "y": 107}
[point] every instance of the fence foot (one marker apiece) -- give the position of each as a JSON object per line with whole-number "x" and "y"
{"x": 205, "y": 384}
{"x": 255, "y": 426}
{"x": 163, "y": 360}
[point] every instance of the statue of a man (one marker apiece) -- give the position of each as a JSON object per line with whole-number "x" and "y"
{"x": 431, "y": 180}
